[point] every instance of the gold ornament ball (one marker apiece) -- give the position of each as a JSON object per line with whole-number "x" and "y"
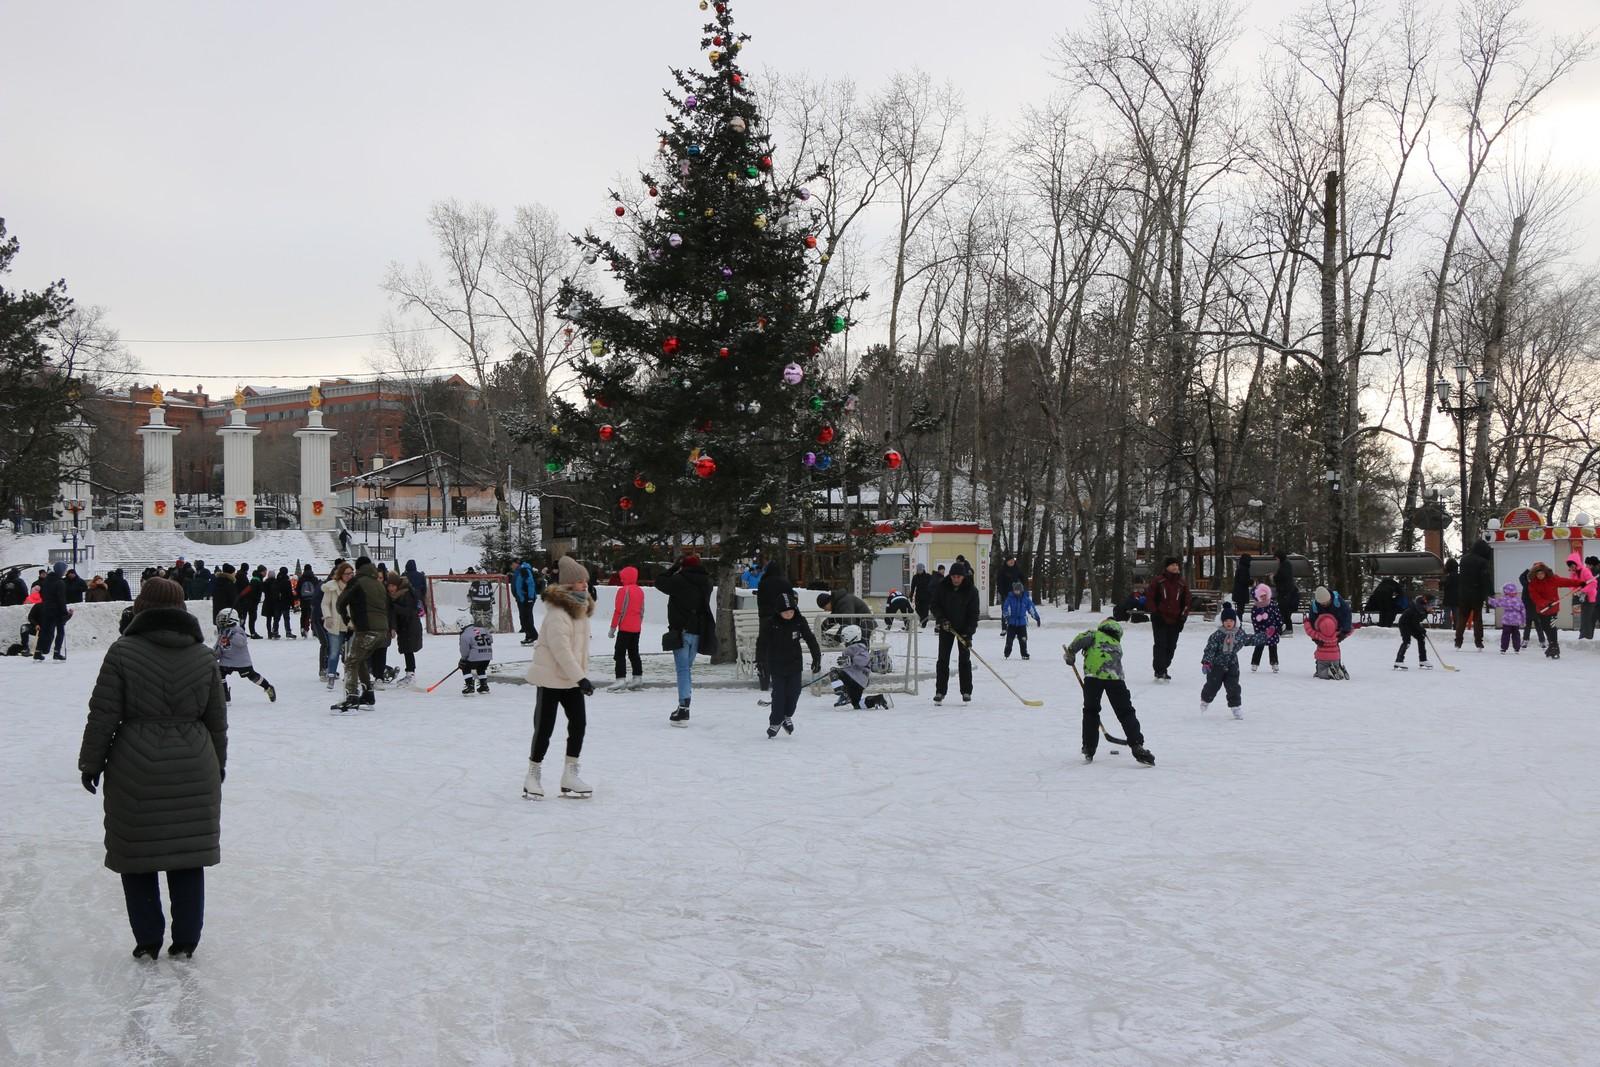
{"x": 823, "y": 258}
{"x": 649, "y": 487}
{"x": 555, "y": 431}
{"x": 710, "y": 212}
{"x": 704, "y": 5}
{"x": 597, "y": 347}
{"x": 714, "y": 56}
{"x": 761, "y": 222}
{"x": 766, "y": 509}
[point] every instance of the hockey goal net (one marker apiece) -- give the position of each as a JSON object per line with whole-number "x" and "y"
{"x": 453, "y": 597}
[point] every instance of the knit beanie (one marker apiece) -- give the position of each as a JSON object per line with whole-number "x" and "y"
{"x": 159, "y": 593}
{"x": 1264, "y": 592}
{"x": 1322, "y": 596}
{"x": 962, "y": 568}
{"x": 691, "y": 560}
{"x": 1228, "y": 614}
{"x": 59, "y": 569}
{"x": 570, "y": 571}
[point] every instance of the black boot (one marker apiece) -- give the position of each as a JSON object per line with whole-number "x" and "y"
{"x": 182, "y": 952}
{"x": 147, "y": 952}
{"x": 483, "y": 685}
{"x": 680, "y": 717}
{"x": 1143, "y": 755}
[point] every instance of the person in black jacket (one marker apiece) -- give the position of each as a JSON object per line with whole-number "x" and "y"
{"x": 117, "y": 583}
{"x": 76, "y": 586}
{"x": 922, "y": 593}
{"x": 1384, "y": 601}
{"x": 13, "y": 590}
{"x": 1529, "y": 609}
{"x": 955, "y": 611}
{"x": 1412, "y": 621}
{"x": 53, "y": 614}
{"x": 786, "y": 630}
{"x": 1009, "y": 575}
{"x": 224, "y": 590}
{"x": 773, "y": 590}
{"x": 1450, "y": 592}
{"x": 1243, "y": 584}
{"x": 691, "y": 627}
{"x": 1288, "y": 592}
{"x": 1477, "y": 586}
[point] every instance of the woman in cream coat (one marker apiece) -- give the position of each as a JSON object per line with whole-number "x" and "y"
{"x": 338, "y": 632}
{"x": 560, "y": 669}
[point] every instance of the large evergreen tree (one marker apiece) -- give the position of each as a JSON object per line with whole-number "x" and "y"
{"x": 690, "y": 418}
{"x": 39, "y": 391}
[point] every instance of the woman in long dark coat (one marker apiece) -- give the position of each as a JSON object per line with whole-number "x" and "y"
{"x": 158, "y": 732}
{"x": 1243, "y": 584}
{"x": 406, "y": 622}
{"x": 1288, "y": 592}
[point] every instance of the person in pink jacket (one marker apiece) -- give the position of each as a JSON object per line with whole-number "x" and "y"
{"x": 1580, "y": 571}
{"x": 627, "y": 619}
{"x": 1324, "y": 634}
{"x": 560, "y": 669}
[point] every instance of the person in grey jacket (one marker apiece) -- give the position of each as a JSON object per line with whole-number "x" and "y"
{"x": 233, "y": 655}
{"x": 844, "y": 608}
{"x": 158, "y": 734}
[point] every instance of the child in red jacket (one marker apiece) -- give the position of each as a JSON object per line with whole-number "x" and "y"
{"x": 627, "y": 619}
{"x": 1544, "y": 589}
{"x": 1324, "y": 634}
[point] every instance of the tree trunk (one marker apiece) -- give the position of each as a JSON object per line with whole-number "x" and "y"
{"x": 1478, "y": 505}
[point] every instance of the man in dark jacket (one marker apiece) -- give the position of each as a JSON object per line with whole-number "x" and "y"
{"x": 1167, "y": 600}
{"x": 364, "y": 608}
{"x": 53, "y": 614}
{"x": 1283, "y": 584}
{"x": 117, "y": 582}
{"x": 1243, "y": 583}
{"x": 1450, "y": 591}
{"x": 75, "y": 585}
{"x": 921, "y": 593}
{"x": 955, "y": 611}
{"x": 224, "y": 590}
{"x": 845, "y": 608}
{"x": 1010, "y": 574}
{"x": 690, "y": 624}
{"x": 13, "y": 590}
{"x": 772, "y": 592}
{"x": 1477, "y": 586}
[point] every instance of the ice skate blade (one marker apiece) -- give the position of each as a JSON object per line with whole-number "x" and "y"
{"x": 532, "y": 796}
{"x": 574, "y": 794}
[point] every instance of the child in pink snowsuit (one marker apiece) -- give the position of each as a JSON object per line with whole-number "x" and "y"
{"x": 1513, "y": 615}
{"x": 1324, "y": 634}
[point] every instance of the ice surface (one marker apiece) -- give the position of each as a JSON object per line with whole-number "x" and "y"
{"x": 1399, "y": 869}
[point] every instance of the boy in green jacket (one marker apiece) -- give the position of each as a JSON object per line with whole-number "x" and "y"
{"x": 1102, "y": 667}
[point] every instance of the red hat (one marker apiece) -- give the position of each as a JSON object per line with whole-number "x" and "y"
{"x": 691, "y": 560}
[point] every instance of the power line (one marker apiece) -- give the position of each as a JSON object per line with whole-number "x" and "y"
{"x": 368, "y": 373}
{"x": 272, "y": 340}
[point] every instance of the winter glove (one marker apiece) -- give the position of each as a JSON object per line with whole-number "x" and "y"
{"x": 816, "y": 665}
{"x": 611, "y": 634}
{"x": 1071, "y": 660}
{"x": 462, "y": 667}
{"x": 91, "y": 780}
{"x": 586, "y": 687}
{"x": 1205, "y": 668}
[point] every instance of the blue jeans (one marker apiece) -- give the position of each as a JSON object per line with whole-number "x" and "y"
{"x": 683, "y": 660}
{"x": 335, "y": 646}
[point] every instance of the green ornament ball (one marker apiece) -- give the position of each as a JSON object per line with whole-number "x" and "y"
{"x": 722, "y": 296}
{"x": 683, "y": 214}
{"x": 552, "y": 466}
{"x": 838, "y": 324}
{"x": 752, "y": 172}
{"x": 816, "y": 403}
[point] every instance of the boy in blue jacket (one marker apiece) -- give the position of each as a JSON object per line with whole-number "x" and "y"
{"x": 1220, "y": 661}
{"x": 1014, "y": 612}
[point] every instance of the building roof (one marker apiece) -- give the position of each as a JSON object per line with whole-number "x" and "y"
{"x": 416, "y": 469}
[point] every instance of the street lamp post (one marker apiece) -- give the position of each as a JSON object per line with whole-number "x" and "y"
{"x": 1471, "y": 400}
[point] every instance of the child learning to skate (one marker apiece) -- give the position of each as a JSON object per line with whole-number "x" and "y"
{"x": 233, "y": 654}
{"x": 788, "y": 631}
{"x": 854, "y": 672}
{"x": 1412, "y": 624}
{"x": 1265, "y": 618}
{"x": 1512, "y": 615}
{"x": 1324, "y": 634}
{"x": 1014, "y": 614}
{"x": 1220, "y": 660}
{"x": 477, "y": 649}
{"x": 1103, "y": 676}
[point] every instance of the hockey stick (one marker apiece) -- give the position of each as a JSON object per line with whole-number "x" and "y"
{"x": 1436, "y": 655}
{"x": 443, "y": 680}
{"x": 824, "y": 676}
{"x": 968, "y": 646}
{"x": 1103, "y": 731}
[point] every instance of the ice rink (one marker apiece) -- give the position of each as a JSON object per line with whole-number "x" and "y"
{"x": 1398, "y": 869}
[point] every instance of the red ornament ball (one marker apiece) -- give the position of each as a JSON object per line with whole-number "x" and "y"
{"x": 737, "y": 79}
{"x": 705, "y": 466}
{"x": 722, "y": 9}
{"x": 638, "y": 481}
{"x": 626, "y": 503}
{"x": 704, "y": 426}
{"x": 717, "y": 40}
{"x": 669, "y": 346}
{"x": 621, "y": 211}
{"x": 825, "y": 435}
{"x": 600, "y": 401}
{"x": 724, "y": 352}
{"x": 893, "y": 459}
{"x": 607, "y": 432}
{"x": 811, "y": 240}
{"x": 654, "y": 191}
{"x": 766, "y": 163}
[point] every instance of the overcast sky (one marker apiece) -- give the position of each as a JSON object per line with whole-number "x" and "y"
{"x": 211, "y": 170}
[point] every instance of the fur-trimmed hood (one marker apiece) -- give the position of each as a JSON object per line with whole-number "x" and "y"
{"x": 559, "y": 596}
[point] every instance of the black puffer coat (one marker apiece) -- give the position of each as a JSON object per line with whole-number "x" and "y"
{"x": 688, "y": 590}
{"x": 1242, "y": 581}
{"x": 158, "y": 729}
{"x": 1477, "y": 576}
{"x": 407, "y": 624}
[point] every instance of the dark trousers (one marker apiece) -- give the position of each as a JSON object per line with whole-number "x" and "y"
{"x": 941, "y": 674}
{"x": 1017, "y": 633}
{"x": 626, "y": 652}
{"x": 187, "y": 888}
{"x": 1166, "y": 635}
{"x": 1510, "y": 637}
{"x": 890, "y": 615}
{"x": 52, "y": 637}
{"x": 922, "y": 615}
{"x": 1469, "y": 613}
{"x": 249, "y": 619}
{"x": 852, "y": 690}
{"x": 1546, "y": 625}
{"x": 308, "y": 620}
{"x": 544, "y": 721}
{"x": 1270, "y": 650}
{"x": 785, "y": 697}
{"x": 1405, "y": 643}
{"x": 378, "y": 662}
{"x": 1527, "y": 627}
{"x": 763, "y": 647}
{"x": 1117, "y": 691}
{"x": 1217, "y": 679}
{"x": 411, "y": 662}
{"x": 1586, "y": 621}
{"x": 525, "y": 620}
{"x": 272, "y": 623}
{"x": 321, "y": 633}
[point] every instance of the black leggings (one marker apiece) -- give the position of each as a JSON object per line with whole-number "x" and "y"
{"x": 785, "y": 697}
{"x": 1547, "y": 628}
{"x": 1270, "y": 650}
{"x": 627, "y": 653}
{"x": 544, "y": 721}
{"x": 1116, "y": 691}
{"x": 187, "y": 888}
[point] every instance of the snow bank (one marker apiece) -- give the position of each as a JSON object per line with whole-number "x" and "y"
{"x": 94, "y": 624}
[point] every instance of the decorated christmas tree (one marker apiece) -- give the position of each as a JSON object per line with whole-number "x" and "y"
{"x": 703, "y": 408}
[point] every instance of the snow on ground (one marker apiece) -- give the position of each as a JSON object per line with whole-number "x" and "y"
{"x": 1399, "y": 869}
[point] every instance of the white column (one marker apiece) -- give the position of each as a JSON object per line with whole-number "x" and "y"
{"x": 316, "y": 474}
{"x": 238, "y": 471}
{"x": 158, "y": 503}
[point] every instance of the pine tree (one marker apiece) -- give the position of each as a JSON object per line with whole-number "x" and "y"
{"x": 704, "y": 408}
